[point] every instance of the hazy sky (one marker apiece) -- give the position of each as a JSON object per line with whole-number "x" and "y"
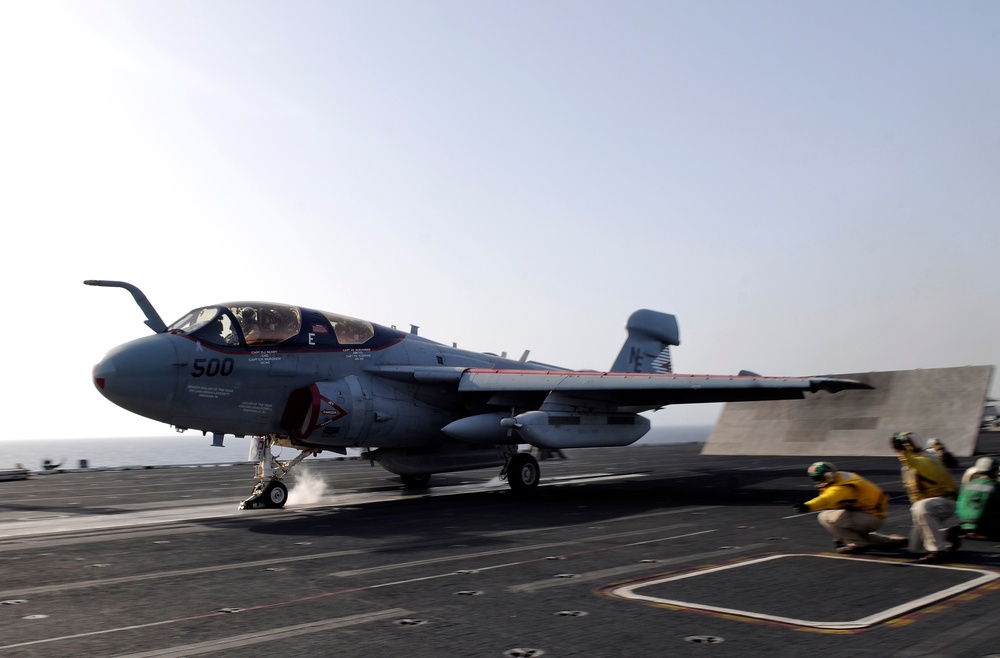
{"x": 812, "y": 187}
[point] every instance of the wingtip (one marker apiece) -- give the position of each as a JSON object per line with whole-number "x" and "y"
{"x": 835, "y": 384}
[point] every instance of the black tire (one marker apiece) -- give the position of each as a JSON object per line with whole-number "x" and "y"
{"x": 275, "y": 495}
{"x": 523, "y": 472}
{"x": 418, "y": 481}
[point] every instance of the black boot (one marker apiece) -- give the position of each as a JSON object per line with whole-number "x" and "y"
{"x": 954, "y": 538}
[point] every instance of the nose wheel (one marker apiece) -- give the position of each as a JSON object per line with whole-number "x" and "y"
{"x": 270, "y": 492}
{"x": 275, "y": 495}
{"x": 271, "y": 495}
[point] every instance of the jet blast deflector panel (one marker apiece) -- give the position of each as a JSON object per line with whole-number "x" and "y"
{"x": 945, "y": 403}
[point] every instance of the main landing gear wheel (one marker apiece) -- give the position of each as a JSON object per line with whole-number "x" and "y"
{"x": 522, "y": 472}
{"x": 418, "y": 481}
{"x": 275, "y": 495}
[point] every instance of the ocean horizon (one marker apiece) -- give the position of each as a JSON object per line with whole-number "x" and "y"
{"x": 192, "y": 450}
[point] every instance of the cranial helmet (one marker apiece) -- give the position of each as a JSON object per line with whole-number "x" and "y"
{"x": 822, "y": 472}
{"x": 906, "y": 440}
{"x": 986, "y": 465}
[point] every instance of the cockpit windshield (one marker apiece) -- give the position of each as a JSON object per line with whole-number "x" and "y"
{"x": 211, "y": 325}
{"x": 194, "y": 320}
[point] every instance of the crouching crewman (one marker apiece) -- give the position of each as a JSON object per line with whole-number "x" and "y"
{"x": 853, "y": 509}
{"x": 932, "y": 493}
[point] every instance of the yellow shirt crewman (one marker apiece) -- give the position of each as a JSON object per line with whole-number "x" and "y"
{"x": 853, "y": 508}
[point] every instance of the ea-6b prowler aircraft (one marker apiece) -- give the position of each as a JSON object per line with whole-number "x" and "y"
{"x": 313, "y": 380}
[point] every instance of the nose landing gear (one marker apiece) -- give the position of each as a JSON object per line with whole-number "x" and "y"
{"x": 270, "y": 491}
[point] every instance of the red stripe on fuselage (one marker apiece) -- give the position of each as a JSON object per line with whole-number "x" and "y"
{"x": 596, "y": 373}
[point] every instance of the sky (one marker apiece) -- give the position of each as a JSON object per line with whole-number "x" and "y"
{"x": 811, "y": 187}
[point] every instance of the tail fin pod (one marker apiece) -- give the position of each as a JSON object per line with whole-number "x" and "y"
{"x": 647, "y": 348}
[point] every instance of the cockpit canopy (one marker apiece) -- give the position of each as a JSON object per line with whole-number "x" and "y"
{"x": 259, "y": 324}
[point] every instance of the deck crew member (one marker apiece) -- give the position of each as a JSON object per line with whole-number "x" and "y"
{"x": 932, "y": 494}
{"x": 984, "y": 467}
{"x": 978, "y": 504}
{"x": 937, "y": 448}
{"x": 853, "y": 508}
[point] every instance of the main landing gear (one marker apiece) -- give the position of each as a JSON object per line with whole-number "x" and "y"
{"x": 520, "y": 470}
{"x": 270, "y": 491}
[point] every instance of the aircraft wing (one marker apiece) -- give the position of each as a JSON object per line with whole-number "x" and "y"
{"x": 633, "y": 392}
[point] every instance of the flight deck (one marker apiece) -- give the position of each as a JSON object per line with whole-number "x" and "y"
{"x": 644, "y": 551}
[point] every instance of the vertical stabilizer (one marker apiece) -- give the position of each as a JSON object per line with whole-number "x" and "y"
{"x": 647, "y": 348}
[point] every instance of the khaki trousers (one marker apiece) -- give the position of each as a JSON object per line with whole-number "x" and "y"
{"x": 932, "y": 517}
{"x": 853, "y": 527}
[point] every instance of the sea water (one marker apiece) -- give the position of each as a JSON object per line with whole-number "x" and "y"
{"x": 175, "y": 450}
{"x": 192, "y": 449}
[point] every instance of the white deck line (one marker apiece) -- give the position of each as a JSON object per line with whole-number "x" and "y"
{"x": 23, "y": 525}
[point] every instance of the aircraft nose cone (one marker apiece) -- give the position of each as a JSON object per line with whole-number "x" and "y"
{"x": 140, "y": 376}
